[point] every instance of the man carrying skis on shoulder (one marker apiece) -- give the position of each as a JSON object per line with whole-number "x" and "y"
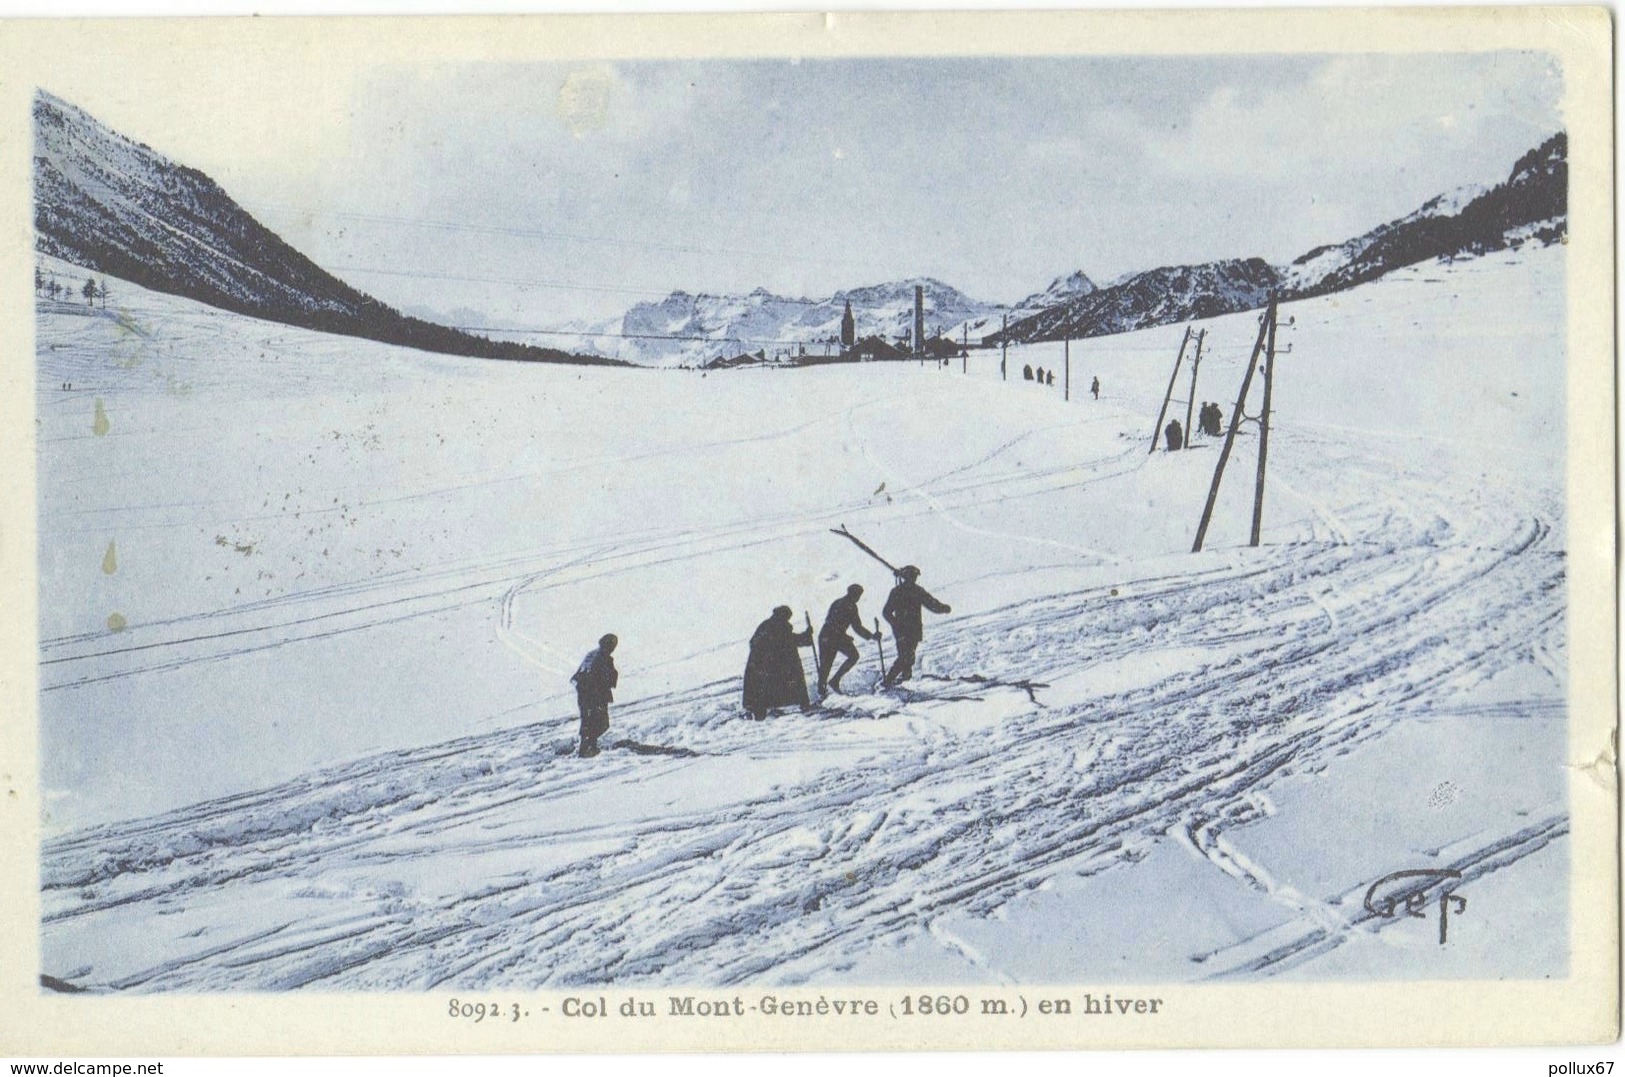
{"x": 902, "y": 612}
{"x": 832, "y": 639}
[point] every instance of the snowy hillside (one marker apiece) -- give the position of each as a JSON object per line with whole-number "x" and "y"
{"x": 107, "y": 203}
{"x": 305, "y": 704}
{"x": 685, "y": 329}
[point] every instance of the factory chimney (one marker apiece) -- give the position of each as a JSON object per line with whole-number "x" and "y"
{"x": 919, "y": 320}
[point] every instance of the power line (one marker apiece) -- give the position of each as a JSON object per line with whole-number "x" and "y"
{"x": 540, "y": 233}
{"x": 566, "y": 285}
{"x": 520, "y": 281}
{"x": 589, "y": 334}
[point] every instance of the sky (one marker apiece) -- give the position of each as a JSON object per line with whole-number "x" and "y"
{"x": 541, "y": 194}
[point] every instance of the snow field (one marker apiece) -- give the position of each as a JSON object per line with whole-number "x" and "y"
{"x": 1104, "y": 718}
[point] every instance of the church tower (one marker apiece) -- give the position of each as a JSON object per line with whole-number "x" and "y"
{"x": 849, "y": 329}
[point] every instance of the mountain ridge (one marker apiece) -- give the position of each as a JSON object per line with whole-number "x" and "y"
{"x": 116, "y": 206}
{"x": 1530, "y": 205}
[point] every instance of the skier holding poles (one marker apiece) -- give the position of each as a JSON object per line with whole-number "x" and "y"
{"x": 833, "y": 639}
{"x": 902, "y": 611}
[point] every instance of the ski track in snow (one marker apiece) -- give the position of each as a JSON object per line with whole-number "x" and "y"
{"x": 1314, "y": 646}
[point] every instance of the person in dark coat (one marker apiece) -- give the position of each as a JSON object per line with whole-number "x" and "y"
{"x": 595, "y": 681}
{"x": 902, "y": 612}
{"x": 1026, "y": 372}
{"x": 832, "y": 639}
{"x": 773, "y": 675}
{"x": 1175, "y": 436}
{"x": 1040, "y": 373}
{"x": 1094, "y": 387}
{"x": 1049, "y": 377}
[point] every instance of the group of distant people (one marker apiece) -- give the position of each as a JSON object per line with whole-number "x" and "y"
{"x": 1041, "y": 376}
{"x": 1047, "y": 377}
{"x": 1209, "y": 421}
{"x": 773, "y": 673}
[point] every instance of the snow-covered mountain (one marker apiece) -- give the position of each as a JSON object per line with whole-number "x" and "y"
{"x": 1531, "y": 204}
{"x": 115, "y": 206}
{"x": 1307, "y": 270}
{"x": 692, "y": 329}
{"x": 1062, "y": 289}
{"x": 1156, "y": 297}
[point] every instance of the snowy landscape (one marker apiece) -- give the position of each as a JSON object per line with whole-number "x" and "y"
{"x": 310, "y": 604}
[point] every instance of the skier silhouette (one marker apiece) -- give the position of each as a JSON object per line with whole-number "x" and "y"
{"x": 832, "y": 639}
{"x": 773, "y": 676}
{"x": 1174, "y": 435}
{"x": 1094, "y": 387}
{"x": 902, "y": 612}
{"x": 1049, "y": 378}
{"x": 595, "y": 681}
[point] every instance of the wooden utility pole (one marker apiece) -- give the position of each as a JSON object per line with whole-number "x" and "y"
{"x": 964, "y": 348}
{"x": 1266, "y": 328}
{"x": 1264, "y": 428}
{"x": 1156, "y": 431}
{"x": 1196, "y": 362}
{"x": 1004, "y": 350}
{"x": 1066, "y": 389}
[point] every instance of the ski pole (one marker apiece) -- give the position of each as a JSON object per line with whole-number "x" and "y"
{"x": 817, "y": 668}
{"x": 880, "y": 645}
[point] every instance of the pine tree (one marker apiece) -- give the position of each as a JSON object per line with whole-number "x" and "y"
{"x": 89, "y": 290}
{"x": 39, "y": 281}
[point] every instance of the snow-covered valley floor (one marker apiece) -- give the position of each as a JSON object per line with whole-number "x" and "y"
{"x": 328, "y": 743}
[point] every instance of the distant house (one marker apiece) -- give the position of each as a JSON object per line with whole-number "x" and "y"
{"x": 875, "y": 349}
{"x": 942, "y": 348}
{"x": 724, "y": 363}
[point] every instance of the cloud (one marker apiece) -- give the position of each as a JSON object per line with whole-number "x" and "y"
{"x": 1361, "y": 114}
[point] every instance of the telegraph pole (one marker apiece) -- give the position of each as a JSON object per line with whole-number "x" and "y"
{"x": 1004, "y": 350}
{"x": 964, "y": 348}
{"x": 1264, "y": 428}
{"x": 1196, "y": 362}
{"x": 1266, "y": 332}
{"x": 1156, "y": 431}
{"x": 1066, "y": 385}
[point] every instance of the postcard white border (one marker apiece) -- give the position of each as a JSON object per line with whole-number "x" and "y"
{"x": 278, "y": 55}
